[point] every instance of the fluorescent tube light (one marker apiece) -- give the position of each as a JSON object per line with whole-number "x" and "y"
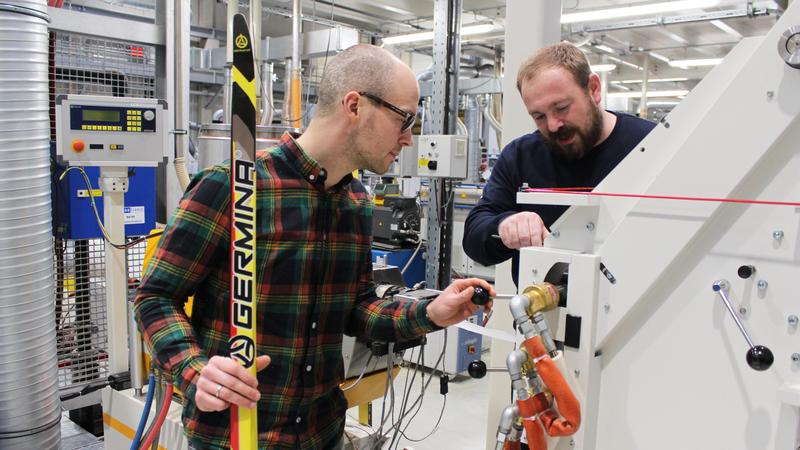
{"x": 597, "y": 68}
{"x": 685, "y": 63}
{"x": 428, "y": 35}
{"x": 659, "y": 57}
{"x": 654, "y": 80}
{"x": 650, "y": 94}
{"x": 636, "y": 10}
{"x": 726, "y": 28}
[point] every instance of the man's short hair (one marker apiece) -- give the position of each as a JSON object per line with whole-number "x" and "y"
{"x": 563, "y": 55}
{"x": 360, "y": 68}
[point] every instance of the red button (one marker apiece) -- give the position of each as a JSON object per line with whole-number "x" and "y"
{"x": 78, "y": 145}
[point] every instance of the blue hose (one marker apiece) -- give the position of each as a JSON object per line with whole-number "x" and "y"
{"x": 146, "y": 412}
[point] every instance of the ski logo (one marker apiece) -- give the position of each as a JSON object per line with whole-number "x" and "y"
{"x": 241, "y": 41}
{"x": 243, "y": 349}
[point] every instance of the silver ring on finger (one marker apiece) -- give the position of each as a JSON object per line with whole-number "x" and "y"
{"x": 219, "y": 389}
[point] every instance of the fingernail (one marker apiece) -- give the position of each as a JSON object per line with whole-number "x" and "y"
{"x": 252, "y": 405}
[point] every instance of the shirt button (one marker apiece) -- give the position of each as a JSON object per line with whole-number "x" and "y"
{"x": 298, "y": 420}
{"x": 312, "y": 177}
{"x": 313, "y": 325}
{"x": 308, "y": 368}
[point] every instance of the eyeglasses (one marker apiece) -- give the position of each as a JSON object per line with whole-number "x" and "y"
{"x": 408, "y": 118}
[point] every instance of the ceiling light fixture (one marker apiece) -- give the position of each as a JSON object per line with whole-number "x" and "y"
{"x": 626, "y": 63}
{"x": 636, "y": 10}
{"x": 597, "y": 68}
{"x": 659, "y": 57}
{"x": 686, "y": 63}
{"x": 469, "y": 30}
{"x": 650, "y": 94}
{"x": 726, "y": 28}
{"x": 655, "y": 80}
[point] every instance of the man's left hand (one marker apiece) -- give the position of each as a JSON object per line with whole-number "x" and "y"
{"x": 454, "y": 304}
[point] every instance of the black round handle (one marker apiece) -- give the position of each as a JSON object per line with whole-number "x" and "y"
{"x": 760, "y": 357}
{"x": 746, "y": 272}
{"x": 480, "y": 297}
{"x": 477, "y": 369}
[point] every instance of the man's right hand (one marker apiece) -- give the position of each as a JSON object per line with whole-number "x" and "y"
{"x": 223, "y": 382}
{"x": 523, "y": 229}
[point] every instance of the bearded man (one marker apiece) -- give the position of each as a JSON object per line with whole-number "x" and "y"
{"x": 576, "y": 145}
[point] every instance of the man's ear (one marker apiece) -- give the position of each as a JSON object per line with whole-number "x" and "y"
{"x": 350, "y": 104}
{"x": 594, "y": 87}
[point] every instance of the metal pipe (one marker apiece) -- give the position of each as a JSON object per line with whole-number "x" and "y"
{"x": 30, "y": 409}
{"x": 295, "y": 115}
{"x": 267, "y": 101}
{"x": 472, "y": 118}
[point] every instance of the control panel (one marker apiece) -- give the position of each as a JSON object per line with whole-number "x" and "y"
{"x": 442, "y": 156}
{"x": 110, "y": 131}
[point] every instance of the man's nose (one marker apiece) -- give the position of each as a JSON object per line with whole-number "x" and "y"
{"x": 553, "y": 124}
{"x": 406, "y": 138}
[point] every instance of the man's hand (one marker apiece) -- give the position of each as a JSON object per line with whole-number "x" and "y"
{"x": 223, "y": 382}
{"x": 524, "y": 229}
{"x": 454, "y": 304}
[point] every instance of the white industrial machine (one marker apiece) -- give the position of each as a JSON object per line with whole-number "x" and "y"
{"x": 680, "y": 327}
{"x": 115, "y": 133}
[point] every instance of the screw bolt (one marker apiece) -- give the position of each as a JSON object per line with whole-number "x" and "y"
{"x": 742, "y": 310}
{"x": 762, "y": 284}
{"x": 792, "y": 320}
{"x": 555, "y": 234}
{"x": 606, "y": 307}
{"x": 572, "y": 442}
{"x": 777, "y": 235}
{"x": 590, "y": 226}
{"x": 770, "y": 94}
{"x": 796, "y": 358}
{"x": 577, "y": 373}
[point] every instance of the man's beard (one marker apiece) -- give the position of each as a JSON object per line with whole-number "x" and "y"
{"x": 585, "y": 139}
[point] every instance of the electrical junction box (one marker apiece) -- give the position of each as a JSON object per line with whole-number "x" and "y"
{"x": 73, "y": 217}
{"x": 442, "y": 156}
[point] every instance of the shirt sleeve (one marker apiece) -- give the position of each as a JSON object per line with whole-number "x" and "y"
{"x": 499, "y": 200}
{"x": 195, "y": 236}
{"x": 377, "y": 319}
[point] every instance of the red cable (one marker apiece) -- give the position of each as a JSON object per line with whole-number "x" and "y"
{"x": 160, "y": 419}
{"x": 582, "y": 191}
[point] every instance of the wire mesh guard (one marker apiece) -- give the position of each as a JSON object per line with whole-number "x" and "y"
{"x": 81, "y": 322}
{"x": 88, "y": 65}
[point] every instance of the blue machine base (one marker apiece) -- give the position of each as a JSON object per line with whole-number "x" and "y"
{"x": 415, "y": 272}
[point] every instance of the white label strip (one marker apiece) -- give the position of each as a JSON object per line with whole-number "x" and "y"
{"x": 491, "y": 332}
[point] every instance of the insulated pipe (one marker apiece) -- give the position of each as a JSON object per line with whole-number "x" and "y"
{"x": 29, "y": 402}
{"x": 472, "y": 118}
{"x": 296, "y": 111}
{"x": 268, "y": 111}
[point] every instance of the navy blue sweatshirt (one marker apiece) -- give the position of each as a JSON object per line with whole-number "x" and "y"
{"x": 528, "y": 160}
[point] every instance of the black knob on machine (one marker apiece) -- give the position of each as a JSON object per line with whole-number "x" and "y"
{"x": 477, "y": 369}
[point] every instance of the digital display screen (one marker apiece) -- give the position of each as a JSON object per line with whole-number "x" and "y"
{"x": 100, "y": 115}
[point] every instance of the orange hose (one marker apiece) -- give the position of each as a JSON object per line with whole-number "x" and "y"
{"x": 295, "y": 118}
{"x": 568, "y": 405}
{"x": 512, "y": 445}
{"x": 535, "y": 434}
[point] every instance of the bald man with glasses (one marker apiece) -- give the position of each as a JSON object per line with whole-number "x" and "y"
{"x": 313, "y": 265}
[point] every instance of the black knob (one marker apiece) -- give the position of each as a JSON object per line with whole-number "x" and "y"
{"x": 432, "y": 165}
{"x": 760, "y": 357}
{"x": 746, "y": 272}
{"x": 480, "y": 297}
{"x": 477, "y": 369}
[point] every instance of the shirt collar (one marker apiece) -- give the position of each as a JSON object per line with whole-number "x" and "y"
{"x": 309, "y": 168}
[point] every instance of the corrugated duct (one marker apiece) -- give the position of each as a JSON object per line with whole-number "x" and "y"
{"x": 29, "y": 401}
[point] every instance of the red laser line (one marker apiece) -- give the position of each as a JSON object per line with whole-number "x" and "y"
{"x": 583, "y": 191}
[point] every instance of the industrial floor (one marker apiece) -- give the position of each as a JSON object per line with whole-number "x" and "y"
{"x": 462, "y": 425}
